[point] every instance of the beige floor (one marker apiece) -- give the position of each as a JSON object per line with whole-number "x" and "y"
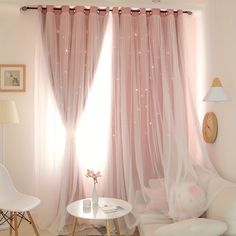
{"x": 27, "y": 230}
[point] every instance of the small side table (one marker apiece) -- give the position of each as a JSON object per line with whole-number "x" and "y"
{"x": 96, "y": 212}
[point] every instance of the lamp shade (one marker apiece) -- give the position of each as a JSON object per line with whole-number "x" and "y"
{"x": 216, "y": 93}
{"x": 8, "y": 112}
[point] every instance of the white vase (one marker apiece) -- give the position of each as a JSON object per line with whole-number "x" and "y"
{"x": 94, "y": 195}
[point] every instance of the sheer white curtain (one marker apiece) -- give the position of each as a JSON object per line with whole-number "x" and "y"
{"x": 151, "y": 118}
{"x": 153, "y": 115}
{"x": 49, "y": 143}
{"x": 72, "y": 44}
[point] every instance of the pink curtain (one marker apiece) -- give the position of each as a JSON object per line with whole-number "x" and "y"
{"x": 73, "y": 42}
{"x": 151, "y": 113}
{"x": 139, "y": 65}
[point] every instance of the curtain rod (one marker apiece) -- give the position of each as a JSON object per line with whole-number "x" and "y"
{"x": 25, "y": 8}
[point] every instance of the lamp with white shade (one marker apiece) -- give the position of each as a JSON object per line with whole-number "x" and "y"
{"x": 8, "y": 112}
{"x": 8, "y": 115}
{"x": 216, "y": 93}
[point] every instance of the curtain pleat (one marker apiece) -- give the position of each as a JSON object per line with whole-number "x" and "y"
{"x": 73, "y": 44}
{"x": 151, "y": 114}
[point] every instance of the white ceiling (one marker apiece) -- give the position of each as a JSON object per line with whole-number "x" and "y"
{"x": 163, "y": 4}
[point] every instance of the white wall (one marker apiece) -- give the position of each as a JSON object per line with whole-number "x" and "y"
{"x": 220, "y": 50}
{"x": 17, "y": 43}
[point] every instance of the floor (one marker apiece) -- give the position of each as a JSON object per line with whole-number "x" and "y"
{"x": 27, "y": 230}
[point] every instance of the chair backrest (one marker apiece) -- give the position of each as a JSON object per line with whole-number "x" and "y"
{"x": 7, "y": 188}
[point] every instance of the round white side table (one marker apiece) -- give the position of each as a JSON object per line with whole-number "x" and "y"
{"x": 118, "y": 208}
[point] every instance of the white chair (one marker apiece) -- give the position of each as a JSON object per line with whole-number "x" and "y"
{"x": 14, "y": 205}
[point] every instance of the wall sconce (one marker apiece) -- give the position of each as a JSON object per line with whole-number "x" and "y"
{"x": 216, "y": 92}
{"x": 210, "y": 124}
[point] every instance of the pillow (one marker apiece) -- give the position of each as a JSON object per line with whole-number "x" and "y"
{"x": 193, "y": 227}
{"x": 155, "y": 196}
{"x": 156, "y": 199}
{"x": 190, "y": 201}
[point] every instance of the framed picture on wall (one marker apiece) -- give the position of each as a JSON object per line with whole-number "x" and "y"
{"x": 12, "y": 77}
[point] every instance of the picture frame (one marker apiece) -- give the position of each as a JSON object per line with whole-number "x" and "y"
{"x": 12, "y": 77}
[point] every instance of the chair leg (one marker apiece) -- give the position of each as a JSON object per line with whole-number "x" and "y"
{"x": 33, "y": 224}
{"x": 11, "y": 219}
{"x": 15, "y": 224}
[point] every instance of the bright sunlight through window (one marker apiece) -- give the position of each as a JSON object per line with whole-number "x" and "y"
{"x": 94, "y": 124}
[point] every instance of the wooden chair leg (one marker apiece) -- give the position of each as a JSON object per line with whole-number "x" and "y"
{"x": 15, "y": 224}
{"x": 11, "y": 221}
{"x": 33, "y": 224}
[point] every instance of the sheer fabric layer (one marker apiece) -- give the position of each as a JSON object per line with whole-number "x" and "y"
{"x": 72, "y": 43}
{"x": 151, "y": 118}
